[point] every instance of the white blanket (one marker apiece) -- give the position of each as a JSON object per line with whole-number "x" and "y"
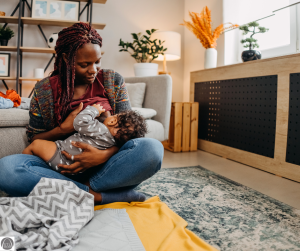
{"x": 49, "y": 218}
{"x": 109, "y": 230}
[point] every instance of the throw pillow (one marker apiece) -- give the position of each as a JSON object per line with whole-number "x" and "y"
{"x": 146, "y": 113}
{"x": 136, "y": 93}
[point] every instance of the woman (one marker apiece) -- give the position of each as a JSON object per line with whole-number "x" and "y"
{"x": 110, "y": 175}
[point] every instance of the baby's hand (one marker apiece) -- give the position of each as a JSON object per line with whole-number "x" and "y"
{"x": 99, "y": 108}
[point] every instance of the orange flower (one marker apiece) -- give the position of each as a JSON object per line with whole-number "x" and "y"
{"x": 202, "y": 28}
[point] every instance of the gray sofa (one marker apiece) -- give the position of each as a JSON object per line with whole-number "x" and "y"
{"x": 158, "y": 96}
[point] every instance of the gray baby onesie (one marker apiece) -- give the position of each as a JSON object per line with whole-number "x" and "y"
{"x": 90, "y": 131}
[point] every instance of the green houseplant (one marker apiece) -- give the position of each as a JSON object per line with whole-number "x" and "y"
{"x": 250, "y": 42}
{"x": 144, "y": 51}
{"x": 5, "y": 35}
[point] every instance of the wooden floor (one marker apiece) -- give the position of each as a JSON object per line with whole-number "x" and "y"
{"x": 282, "y": 189}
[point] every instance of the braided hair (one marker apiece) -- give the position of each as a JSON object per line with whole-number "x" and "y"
{"x": 69, "y": 41}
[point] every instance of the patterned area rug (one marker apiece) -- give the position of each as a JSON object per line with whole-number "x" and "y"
{"x": 226, "y": 214}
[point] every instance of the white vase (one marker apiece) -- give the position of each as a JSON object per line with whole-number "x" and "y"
{"x": 145, "y": 69}
{"x": 211, "y": 56}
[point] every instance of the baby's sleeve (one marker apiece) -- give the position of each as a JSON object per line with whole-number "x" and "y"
{"x": 85, "y": 122}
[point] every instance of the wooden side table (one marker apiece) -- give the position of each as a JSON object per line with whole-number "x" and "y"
{"x": 183, "y": 133}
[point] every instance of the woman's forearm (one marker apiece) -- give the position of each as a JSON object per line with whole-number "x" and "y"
{"x": 54, "y": 134}
{"x": 107, "y": 154}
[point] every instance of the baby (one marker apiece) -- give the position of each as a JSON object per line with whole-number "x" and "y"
{"x": 115, "y": 130}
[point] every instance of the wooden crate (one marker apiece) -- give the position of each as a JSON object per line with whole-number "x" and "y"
{"x": 183, "y": 133}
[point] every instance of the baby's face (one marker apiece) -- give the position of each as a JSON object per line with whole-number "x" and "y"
{"x": 111, "y": 122}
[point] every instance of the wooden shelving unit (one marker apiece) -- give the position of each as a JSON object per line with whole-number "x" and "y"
{"x": 49, "y": 22}
{"x": 21, "y": 20}
{"x": 95, "y": 1}
{"x": 20, "y": 79}
{"x": 30, "y": 49}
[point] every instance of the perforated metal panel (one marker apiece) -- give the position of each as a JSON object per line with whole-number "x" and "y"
{"x": 293, "y": 141}
{"x": 239, "y": 113}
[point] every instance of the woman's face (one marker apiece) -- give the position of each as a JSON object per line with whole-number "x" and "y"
{"x": 87, "y": 64}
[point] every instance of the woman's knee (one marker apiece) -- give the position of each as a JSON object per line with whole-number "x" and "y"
{"x": 151, "y": 152}
{"x": 7, "y": 172}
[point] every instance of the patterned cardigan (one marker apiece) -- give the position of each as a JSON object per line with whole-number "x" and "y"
{"x": 41, "y": 113}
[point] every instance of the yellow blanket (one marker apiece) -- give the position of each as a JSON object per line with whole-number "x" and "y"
{"x": 159, "y": 228}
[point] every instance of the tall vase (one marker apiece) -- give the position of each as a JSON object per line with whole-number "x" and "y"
{"x": 211, "y": 55}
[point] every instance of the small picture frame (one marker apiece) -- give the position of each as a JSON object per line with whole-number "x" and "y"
{"x": 59, "y": 10}
{"x": 56, "y": 10}
{"x": 71, "y": 11}
{"x": 39, "y": 8}
{"x": 4, "y": 64}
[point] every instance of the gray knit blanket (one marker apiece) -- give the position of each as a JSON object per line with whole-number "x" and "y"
{"x": 49, "y": 218}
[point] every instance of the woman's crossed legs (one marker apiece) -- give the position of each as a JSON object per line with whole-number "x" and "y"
{"x": 136, "y": 161}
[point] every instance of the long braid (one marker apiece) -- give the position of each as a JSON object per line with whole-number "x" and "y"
{"x": 69, "y": 41}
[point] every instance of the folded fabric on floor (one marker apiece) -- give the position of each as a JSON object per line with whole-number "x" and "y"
{"x": 49, "y": 218}
{"x": 159, "y": 228}
{"x": 110, "y": 229}
{"x": 13, "y": 96}
{"x": 25, "y": 103}
{"x": 6, "y": 103}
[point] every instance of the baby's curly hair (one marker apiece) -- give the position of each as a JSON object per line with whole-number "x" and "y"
{"x": 132, "y": 125}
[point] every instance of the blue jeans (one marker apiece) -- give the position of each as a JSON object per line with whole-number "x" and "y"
{"x": 136, "y": 161}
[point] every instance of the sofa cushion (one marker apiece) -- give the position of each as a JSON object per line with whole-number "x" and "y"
{"x": 136, "y": 93}
{"x": 146, "y": 113}
{"x": 13, "y": 117}
{"x": 13, "y": 139}
{"x": 155, "y": 130}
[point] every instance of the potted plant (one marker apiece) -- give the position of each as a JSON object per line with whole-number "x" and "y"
{"x": 5, "y": 35}
{"x": 201, "y": 26}
{"x": 144, "y": 51}
{"x": 251, "y": 43}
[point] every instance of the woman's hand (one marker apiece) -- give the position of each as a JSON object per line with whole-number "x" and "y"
{"x": 90, "y": 157}
{"x": 67, "y": 126}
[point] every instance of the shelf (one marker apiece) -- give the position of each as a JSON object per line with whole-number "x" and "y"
{"x": 30, "y": 79}
{"x": 31, "y": 49}
{"x": 21, "y": 78}
{"x": 8, "y": 48}
{"x": 10, "y": 20}
{"x": 94, "y": 1}
{"x": 37, "y": 50}
{"x": 50, "y": 22}
{"x": 7, "y": 78}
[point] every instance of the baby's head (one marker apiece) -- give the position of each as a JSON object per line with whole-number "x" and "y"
{"x": 125, "y": 126}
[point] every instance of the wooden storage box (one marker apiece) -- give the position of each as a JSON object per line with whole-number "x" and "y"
{"x": 183, "y": 134}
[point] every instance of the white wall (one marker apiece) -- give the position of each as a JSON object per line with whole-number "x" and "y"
{"x": 121, "y": 18}
{"x": 193, "y": 49}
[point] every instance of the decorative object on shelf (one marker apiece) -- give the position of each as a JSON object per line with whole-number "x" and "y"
{"x": 52, "y": 40}
{"x": 144, "y": 51}
{"x": 201, "y": 26}
{"x": 251, "y": 42}
{"x": 71, "y": 11}
{"x": 4, "y": 64}
{"x": 49, "y": 9}
{"x": 39, "y": 73}
{"x": 5, "y": 35}
{"x": 2, "y": 14}
{"x": 56, "y": 10}
{"x": 173, "y": 43}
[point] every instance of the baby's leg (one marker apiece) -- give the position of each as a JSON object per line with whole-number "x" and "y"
{"x": 41, "y": 148}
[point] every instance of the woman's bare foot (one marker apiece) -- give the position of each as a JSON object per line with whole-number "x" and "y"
{"x": 97, "y": 196}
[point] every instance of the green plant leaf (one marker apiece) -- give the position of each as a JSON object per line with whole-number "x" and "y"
{"x": 135, "y": 36}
